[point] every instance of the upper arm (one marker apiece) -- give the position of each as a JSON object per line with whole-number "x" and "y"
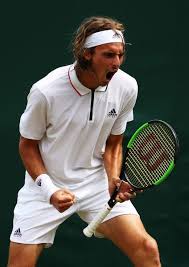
{"x": 24, "y": 140}
{"x": 33, "y": 122}
{"x": 27, "y": 143}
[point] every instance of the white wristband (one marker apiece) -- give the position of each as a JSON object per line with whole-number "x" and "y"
{"x": 46, "y": 185}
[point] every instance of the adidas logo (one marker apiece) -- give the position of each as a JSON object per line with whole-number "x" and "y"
{"x": 116, "y": 34}
{"x": 18, "y": 233}
{"x": 112, "y": 113}
{"x": 39, "y": 182}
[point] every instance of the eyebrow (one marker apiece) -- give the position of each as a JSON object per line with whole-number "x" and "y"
{"x": 113, "y": 52}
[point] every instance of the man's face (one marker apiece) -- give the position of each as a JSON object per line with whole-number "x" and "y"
{"x": 106, "y": 60}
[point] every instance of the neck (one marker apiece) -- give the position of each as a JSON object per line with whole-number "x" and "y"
{"x": 87, "y": 77}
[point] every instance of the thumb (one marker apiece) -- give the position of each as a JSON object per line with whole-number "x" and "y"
{"x": 66, "y": 191}
{"x": 117, "y": 181}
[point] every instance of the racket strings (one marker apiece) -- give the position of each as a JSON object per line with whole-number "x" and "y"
{"x": 166, "y": 136}
{"x": 166, "y": 142}
{"x": 134, "y": 172}
{"x": 138, "y": 170}
{"x": 135, "y": 169}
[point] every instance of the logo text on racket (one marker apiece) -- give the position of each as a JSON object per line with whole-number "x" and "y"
{"x": 152, "y": 152}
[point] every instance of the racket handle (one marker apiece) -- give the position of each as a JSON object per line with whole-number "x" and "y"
{"x": 90, "y": 229}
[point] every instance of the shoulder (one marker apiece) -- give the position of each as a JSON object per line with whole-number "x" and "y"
{"x": 125, "y": 80}
{"x": 125, "y": 83}
{"x": 52, "y": 80}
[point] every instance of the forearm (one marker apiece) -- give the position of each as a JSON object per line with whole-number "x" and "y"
{"x": 60, "y": 198}
{"x": 113, "y": 162}
{"x": 31, "y": 157}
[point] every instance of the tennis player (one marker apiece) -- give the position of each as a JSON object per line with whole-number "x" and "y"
{"x": 71, "y": 146}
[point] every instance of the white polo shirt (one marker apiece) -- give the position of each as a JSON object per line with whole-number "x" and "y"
{"x": 73, "y": 123}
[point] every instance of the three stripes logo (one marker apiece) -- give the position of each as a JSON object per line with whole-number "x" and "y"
{"x": 112, "y": 113}
{"x": 18, "y": 233}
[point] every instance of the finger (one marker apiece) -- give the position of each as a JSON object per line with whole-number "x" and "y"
{"x": 118, "y": 184}
{"x": 65, "y": 204}
{"x": 125, "y": 187}
{"x": 125, "y": 196}
{"x": 62, "y": 209}
{"x": 120, "y": 197}
{"x": 65, "y": 198}
{"x": 130, "y": 195}
{"x": 116, "y": 181}
{"x": 66, "y": 191}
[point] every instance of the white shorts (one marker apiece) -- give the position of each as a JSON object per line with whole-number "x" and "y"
{"x": 36, "y": 221}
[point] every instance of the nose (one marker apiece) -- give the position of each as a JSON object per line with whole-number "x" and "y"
{"x": 116, "y": 62}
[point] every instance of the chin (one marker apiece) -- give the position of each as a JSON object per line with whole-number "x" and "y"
{"x": 104, "y": 83}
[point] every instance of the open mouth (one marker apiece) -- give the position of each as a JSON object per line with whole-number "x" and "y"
{"x": 110, "y": 74}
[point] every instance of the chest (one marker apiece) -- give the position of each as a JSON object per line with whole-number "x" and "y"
{"x": 96, "y": 109}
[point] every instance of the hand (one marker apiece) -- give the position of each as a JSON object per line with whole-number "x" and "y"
{"x": 62, "y": 199}
{"x": 125, "y": 192}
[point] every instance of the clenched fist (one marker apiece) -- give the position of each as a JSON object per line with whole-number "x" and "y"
{"x": 62, "y": 199}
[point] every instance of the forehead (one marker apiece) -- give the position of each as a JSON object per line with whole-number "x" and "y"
{"x": 114, "y": 47}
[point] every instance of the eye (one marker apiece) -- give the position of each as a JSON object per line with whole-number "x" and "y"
{"x": 112, "y": 55}
{"x": 121, "y": 55}
{"x": 109, "y": 54}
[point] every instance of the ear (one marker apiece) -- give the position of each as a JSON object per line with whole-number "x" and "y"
{"x": 87, "y": 54}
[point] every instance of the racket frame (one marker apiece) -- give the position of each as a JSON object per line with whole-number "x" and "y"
{"x": 172, "y": 164}
{"x": 90, "y": 229}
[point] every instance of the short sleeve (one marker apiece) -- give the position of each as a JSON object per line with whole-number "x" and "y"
{"x": 126, "y": 113}
{"x": 33, "y": 122}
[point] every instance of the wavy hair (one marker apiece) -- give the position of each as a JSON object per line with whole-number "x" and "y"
{"x": 88, "y": 27}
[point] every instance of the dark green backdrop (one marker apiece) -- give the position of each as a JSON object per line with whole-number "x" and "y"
{"x": 35, "y": 39}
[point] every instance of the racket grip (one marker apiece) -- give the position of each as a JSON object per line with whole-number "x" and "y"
{"x": 90, "y": 229}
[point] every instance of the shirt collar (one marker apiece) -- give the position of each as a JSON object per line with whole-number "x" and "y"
{"x": 78, "y": 86}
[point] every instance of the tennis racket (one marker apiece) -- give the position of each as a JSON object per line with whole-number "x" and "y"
{"x": 150, "y": 157}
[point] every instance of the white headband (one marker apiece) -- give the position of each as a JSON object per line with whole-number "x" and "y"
{"x": 104, "y": 37}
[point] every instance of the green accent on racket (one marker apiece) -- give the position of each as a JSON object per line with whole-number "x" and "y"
{"x": 135, "y": 134}
{"x": 171, "y": 167}
{"x": 151, "y": 154}
{"x": 150, "y": 158}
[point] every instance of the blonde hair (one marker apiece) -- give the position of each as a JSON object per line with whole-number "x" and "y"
{"x": 88, "y": 27}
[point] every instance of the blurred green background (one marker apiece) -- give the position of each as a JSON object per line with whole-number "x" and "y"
{"x": 35, "y": 39}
